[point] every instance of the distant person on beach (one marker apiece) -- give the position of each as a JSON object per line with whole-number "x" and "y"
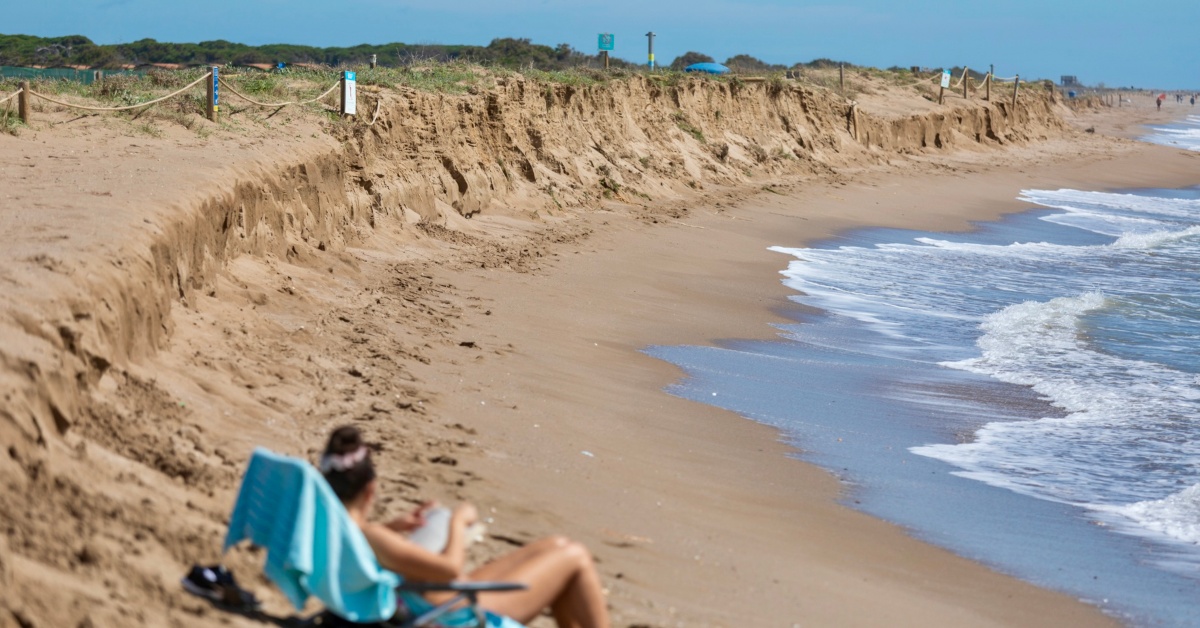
{"x": 1193, "y": 101}
{"x": 1158, "y": 101}
{"x": 558, "y": 572}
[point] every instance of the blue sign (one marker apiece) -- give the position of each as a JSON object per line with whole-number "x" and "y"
{"x": 607, "y": 41}
{"x": 350, "y": 76}
{"x": 216, "y": 89}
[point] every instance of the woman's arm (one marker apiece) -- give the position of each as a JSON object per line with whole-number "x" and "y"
{"x": 398, "y": 554}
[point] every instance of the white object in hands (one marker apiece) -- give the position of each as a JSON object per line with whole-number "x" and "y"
{"x": 435, "y": 533}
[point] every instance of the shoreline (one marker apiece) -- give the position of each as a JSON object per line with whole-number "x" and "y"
{"x": 746, "y": 446}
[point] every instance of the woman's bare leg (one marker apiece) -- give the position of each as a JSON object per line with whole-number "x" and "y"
{"x": 560, "y": 574}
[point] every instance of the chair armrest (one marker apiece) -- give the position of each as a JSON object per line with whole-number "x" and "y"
{"x": 462, "y": 586}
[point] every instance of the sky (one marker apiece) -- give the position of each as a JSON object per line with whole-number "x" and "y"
{"x": 1116, "y": 42}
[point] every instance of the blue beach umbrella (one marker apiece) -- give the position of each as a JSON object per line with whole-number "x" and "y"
{"x": 708, "y": 68}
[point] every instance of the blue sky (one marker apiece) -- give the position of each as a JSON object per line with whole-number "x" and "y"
{"x": 1117, "y": 42}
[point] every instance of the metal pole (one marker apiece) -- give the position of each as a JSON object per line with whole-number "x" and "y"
{"x": 842, "y": 76}
{"x": 1016, "y": 86}
{"x": 650, "y": 39}
{"x": 23, "y": 102}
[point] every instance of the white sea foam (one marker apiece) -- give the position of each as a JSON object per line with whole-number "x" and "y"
{"x": 1110, "y": 203}
{"x": 1153, "y": 239}
{"x": 1020, "y": 335}
{"x": 1176, "y": 516}
{"x": 1104, "y": 224}
{"x": 1185, "y": 134}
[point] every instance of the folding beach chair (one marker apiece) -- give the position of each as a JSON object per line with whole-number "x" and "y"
{"x": 314, "y": 549}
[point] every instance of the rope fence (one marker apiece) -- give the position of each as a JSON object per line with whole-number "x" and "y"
{"x": 916, "y": 82}
{"x": 278, "y": 104}
{"x": 348, "y": 85}
{"x": 126, "y": 108}
{"x": 962, "y": 77}
{"x": 212, "y": 78}
{"x": 943, "y": 81}
{"x": 375, "y": 117}
{"x": 964, "y": 82}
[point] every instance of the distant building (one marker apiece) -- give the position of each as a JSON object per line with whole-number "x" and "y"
{"x": 1069, "y": 80}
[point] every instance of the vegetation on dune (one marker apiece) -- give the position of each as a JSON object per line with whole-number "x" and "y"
{"x": 505, "y": 52}
{"x": 77, "y": 50}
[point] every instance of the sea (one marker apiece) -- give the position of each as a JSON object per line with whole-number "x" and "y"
{"x": 1026, "y": 394}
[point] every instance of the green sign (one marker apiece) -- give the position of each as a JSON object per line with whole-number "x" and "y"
{"x": 607, "y": 41}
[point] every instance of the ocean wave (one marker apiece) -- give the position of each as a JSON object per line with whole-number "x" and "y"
{"x": 1176, "y": 516}
{"x": 1092, "y": 307}
{"x": 1106, "y": 224}
{"x": 1153, "y": 240}
{"x": 1108, "y": 202}
{"x": 1020, "y": 336}
{"x": 1185, "y": 134}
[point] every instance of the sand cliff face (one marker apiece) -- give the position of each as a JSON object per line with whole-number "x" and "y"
{"x": 81, "y": 434}
{"x": 527, "y": 146}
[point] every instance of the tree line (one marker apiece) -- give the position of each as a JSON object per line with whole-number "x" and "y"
{"x": 77, "y": 50}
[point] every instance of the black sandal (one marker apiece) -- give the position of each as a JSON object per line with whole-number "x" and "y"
{"x": 215, "y": 583}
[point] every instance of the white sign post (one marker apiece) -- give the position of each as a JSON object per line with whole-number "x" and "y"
{"x": 945, "y": 84}
{"x": 349, "y": 94}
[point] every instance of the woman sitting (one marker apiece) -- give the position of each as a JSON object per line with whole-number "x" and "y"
{"x": 558, "y": 572}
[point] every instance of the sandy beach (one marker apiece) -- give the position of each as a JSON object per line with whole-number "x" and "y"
{"x": 490, "y": 345}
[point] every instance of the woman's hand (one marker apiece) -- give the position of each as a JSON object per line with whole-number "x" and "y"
{"x": 465, "y": 514}
{"x": 411, "y": 521}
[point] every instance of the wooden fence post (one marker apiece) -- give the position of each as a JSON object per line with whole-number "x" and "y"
{"x": 214, "y": 93}
{"x": 1016, "y": 87}
{"x": 941, "y": 94}
{"x": 842, "y": 77}
{"x": 23, "y": 102}
{"x": 966, "y": 84}
{"x": 988, "y": 85}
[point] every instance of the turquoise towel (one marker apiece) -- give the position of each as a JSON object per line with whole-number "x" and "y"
{"x": 313, "y": 547}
